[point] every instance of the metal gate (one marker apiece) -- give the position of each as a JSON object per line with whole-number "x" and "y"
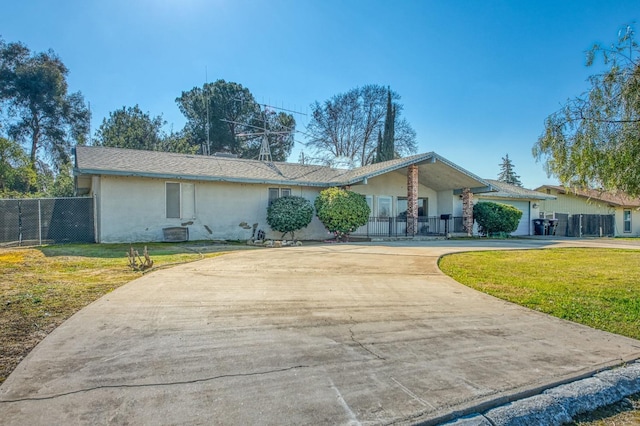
{"x": 591, "y": 225}
{"x": 47, "y": 220}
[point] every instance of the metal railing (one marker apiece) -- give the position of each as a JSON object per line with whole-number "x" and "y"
{"x": 397, "y": 227}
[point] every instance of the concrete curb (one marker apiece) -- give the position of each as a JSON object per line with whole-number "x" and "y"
{"x": 559, "y": 405}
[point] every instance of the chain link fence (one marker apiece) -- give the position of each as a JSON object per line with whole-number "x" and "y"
{"x": 40, "y": 221}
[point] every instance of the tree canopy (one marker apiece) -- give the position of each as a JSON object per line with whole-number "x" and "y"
{"x": 130, "y": 128}
{"x": 347, "y": 126}
{"x": 36, "y": 107}
{"x": 16, "y": 174}
{"x": 507, "y": 173}
{"x": 224, "y": 117}
{"x": 134, "y": 129}
{"x": 594, "y": 140}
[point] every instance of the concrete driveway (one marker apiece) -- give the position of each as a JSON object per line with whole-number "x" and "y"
{"x": 326, "y": 334}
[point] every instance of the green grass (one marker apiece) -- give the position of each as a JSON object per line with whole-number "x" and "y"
{"x": 41, "y": 287}
{"x": 596, "y": 287}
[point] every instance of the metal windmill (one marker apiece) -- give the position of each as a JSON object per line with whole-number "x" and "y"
{"x": 264, "y": 131}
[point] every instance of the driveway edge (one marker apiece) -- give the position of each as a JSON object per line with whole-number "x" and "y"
{"x": 560, "y": 404}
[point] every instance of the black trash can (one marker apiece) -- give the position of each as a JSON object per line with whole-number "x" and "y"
{"x": 538, "y": 226}
{"x": 553, "y": 224}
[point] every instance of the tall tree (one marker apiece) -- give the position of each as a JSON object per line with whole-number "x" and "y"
{"x": 130, "y": 128}
{"x": 16, "y": 175}
{"x": 386, "y": 143}
{"x": 594, "y": 140}
{"x": 346, "y": 126}
{"x": 507, "y": 172}
{"x": 224, "y": 116}
{"x": 36, "y": 106}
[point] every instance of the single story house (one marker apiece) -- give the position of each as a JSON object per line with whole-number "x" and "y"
{"x": 525, "y": 200}
{"x": 140, "y": 194}
{"x": 625, "y": 210}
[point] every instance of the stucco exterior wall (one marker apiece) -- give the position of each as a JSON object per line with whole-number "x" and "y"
{"x": 394, "y": 185}
{"x": 635, "y": 223}
{"x": 572, "y": 204}
{"x": 448, "y": 203}
{"x": 134, "y": 209}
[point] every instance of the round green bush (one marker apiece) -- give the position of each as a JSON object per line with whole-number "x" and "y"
{"x": 496, "y": 218}
{"x": 289, "y": 214}
{"x": 341, "y": 211}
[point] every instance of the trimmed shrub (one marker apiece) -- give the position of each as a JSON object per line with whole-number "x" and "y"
{"x": 289, "y": 214}
{"x": 341, "y": 211}
{"x": 496, "y": 218}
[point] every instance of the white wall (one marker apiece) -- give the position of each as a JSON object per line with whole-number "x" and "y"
{"x": 394, "y": 185}
{"x": 133, "y": 209}
{"x": 635, "y": 223}
{"x": 573, "y": 204}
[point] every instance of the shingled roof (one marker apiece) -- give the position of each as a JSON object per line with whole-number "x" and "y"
{"x": 506, "y": 190}
{"x": 94, "y": 160}
{"x": 619, "y": 199}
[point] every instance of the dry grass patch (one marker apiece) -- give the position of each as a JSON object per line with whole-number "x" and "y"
{"x": 42, "y": 287}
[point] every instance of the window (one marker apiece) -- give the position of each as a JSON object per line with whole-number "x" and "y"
{"x": 402, "y": 207}
{"x": 369, "y": 199}
{"x": 180, "y": 200}
{"x": 275, "y": 193}
{"x": 384, "y": 207}
{"x": 626, "y": 220}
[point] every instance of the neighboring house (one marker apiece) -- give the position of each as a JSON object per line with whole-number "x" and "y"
{"x": 525, "y": 200}
{"x": 624, "y": 209}
{"x": 139, "y": 194}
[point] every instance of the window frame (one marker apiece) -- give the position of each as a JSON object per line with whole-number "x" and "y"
{"x": 378, "y": 202}
{"x": 626, "y": 221}
{"x": 168, "y": 201}
{"x": 279, "y": 192}
{"x": 369, "y": 200}
{"x": 180, "y": 200}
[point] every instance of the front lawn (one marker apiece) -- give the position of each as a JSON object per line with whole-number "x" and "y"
{"x": 596, "y": 287}
{"x": 41, "y": 287}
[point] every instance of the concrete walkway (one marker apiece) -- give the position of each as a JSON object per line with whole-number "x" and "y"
{"x": 326, "y": 334}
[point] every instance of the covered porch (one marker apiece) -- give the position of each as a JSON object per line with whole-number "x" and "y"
{"x": 423, "y": 195}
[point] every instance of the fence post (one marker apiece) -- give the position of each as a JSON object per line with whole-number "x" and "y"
{"x": 96, "y": 239}
{"x": 39, "y": 223}
{"x": 19, "y": 223}
{"x": 580, "y": 229}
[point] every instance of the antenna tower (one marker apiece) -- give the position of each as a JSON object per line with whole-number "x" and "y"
{"x": 265, "y": 149}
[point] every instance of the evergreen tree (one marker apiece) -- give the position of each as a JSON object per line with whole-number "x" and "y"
{"x": 507, "y": 172}
{"x": 386, "y": 143}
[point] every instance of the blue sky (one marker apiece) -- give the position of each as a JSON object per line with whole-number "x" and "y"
{"x": 477, "y": 78}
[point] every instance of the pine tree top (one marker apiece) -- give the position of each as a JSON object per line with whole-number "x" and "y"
{"x": 507, "y": 173}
